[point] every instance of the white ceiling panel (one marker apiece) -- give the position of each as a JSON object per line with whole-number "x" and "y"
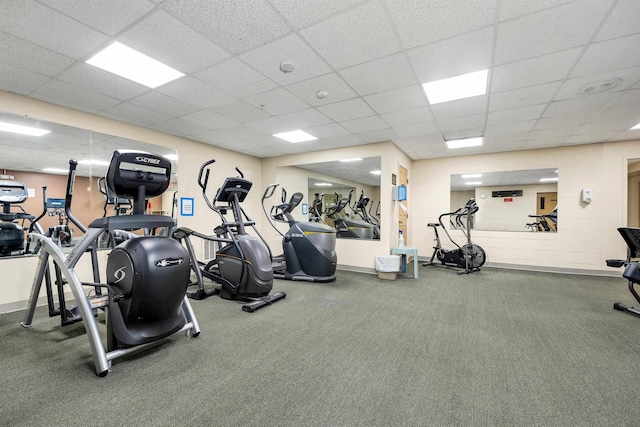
{"x": 72, "y": 39}
{"x": 408, "y": 117}
{"x": 70, "y": 95}
{"x": 19, "y": 80}
{"x": 168, "y": 40}
{"x": 179, "y": 127}
{"x": 513, "y": 8}
{"x": 515, "y": 115}
{"x": 570, "y": 88}
{"x": 234, "y": 26}
{"x": 332, "y": 84}
{"x": 509, "y": 128}
{"x": 460, "y": 108}
{"x": 562, "y": 120}
{"x": 347, "y": 110}
{"x": 237, "y": 78}
{"x": 605, "y": 56}
{"x": 359, "y": 35}
{"x": 306, "y": 118}
{"x": 452, "y": 57}
{"x": 416, "y": 129}
{"x": 240, "y": 111}
{"x": 130, "y": 113}
{"x": 364, "y": 124}
{"x": 623, "y": 21}
{"x": 290, "y": 49}
{"x": 378, "y": 135}
{"x": 109, "y": 17}
{"x": 327, "y": 131}
{"x": 163, "y": 104}
{"x": 560, "y": 28}
{"x": 405, "y": 98}
{"x": 271, "y": 125}
{"x": 595, "y": 103}
{"x": 420, "y": 22}
{"x": 379, "y": 75}
{"x": 209, "y": 119}
{"x": 277, "y": 101}
{"x": 100, "y": 81}
{"x": 302, "y": 13}
{"x": 29, "y": 56}
{"x": 518, "y": 98}
{"x": 195, "y": 92}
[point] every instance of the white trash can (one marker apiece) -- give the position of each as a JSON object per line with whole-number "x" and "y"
{"x": 387, "y": 266}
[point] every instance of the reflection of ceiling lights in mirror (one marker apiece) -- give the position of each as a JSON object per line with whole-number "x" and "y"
{"x": 133, "y": 65}
{"x": 548, "y": 179}
{"x": 55, "y": 170}
{"x": 93, "y": 162}
{"x": 459, "y": 87}
{"x": 375, "y": 172}
{"x": 323, "y": 184}
{"x": 23, "y": 130}
{"x": 295, "y": 136}
{"x": 471, "y": 175}
{"x": 464, "y": 142}
{"x": 473, "y": 183}
{"x": 355, "y": 159}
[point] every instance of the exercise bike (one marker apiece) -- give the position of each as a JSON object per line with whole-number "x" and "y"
{"x": 242, "y": 265}
{"x": 11, "y": 231}
{"x": 631, "y": 272}
{"x": 470, "y": 257}
{"x": 308, "y": 247}
{"x": 147, "y": 276}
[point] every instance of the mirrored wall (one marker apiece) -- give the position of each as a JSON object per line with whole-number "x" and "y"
{"x": 519, "y": 200}
{"x": 37, "y": 153}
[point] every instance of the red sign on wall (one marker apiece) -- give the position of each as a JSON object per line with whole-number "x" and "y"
{"x": 508, "y": 199}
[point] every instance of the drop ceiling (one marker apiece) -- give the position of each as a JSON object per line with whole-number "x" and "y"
{"x": 370, "y": 57}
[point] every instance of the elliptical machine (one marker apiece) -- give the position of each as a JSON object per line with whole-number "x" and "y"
{"x": 11, "y": 232}
{"x": 147, "y": 277}
{"x": 60, "y": 233}
{"x": 470, "y": 256}
{"x": 309, "y": 247}
{"x": 242, "y": 264}
{"x": 360, "y": 208}
{"x": 346, "y": 227}
{"x": 631, "y": 272}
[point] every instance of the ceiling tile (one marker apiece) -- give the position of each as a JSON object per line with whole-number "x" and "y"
{"x": 195, "y": 92}
{"x": 277, "y": 101}
{"x": 100, "y": 81}
{"x": 416, "y": 129}
{"x": 509, "y": 128}
{"x": 302, "y": 13}
{"x": 336, "y": 89}
{"x": 73, "y": 96}
{"x": 168, "y": 40}
{"x": 340, "y": 141}
{"x": 629, "y": 98}
{"x": 420, "y": 22}
{"x": 130, "y": 113}
{"x": 462, "y": 123}
{"x": 594, "y": 102}
{"x": 535, "y": 71}
{"x": 623, "y": 21}
{"x": 452, "y": 57}
{"x": 570, "y": 87}
{"x": 238, "y": 132}
{"x": 271, "y": 125}
{"x": 48, "y": 28}
{"x": 379, "y": 75}
{"x": 110, "y": 17}
{"x": 561, "y": 120}
{"x": 460, "y": 108}
{"x": 553, "y": 133}
{"x": 540, "y": 94}
{"x": 18, "y": 80}
{"x": 209, "y": 119}
{"x": 605, "y": 56}
{"x": 163, "y": 104}
{"x": 514, "y": 8}
{"x": 404, "y": 98}
{"x": 178, "y": 127}
{"x": 21, "y": 53}
{"x": 306, "y": 118}
{"x": 364, "y": 124}
{"x": 236, "y": 78}
{"x": 378, "y": 135}
{"x": 327, "y": 131}
{"x": 235, "y": 26}
{"x": 560, "y": 28}
{"x": 590, "y": 138}
{"x": 240, "y": 111}
{"x": 347, "y": 110}
{"x": 408, "y": 117}
{"x": 359, "y": 35}
{"x": 515, "y": 115}
{"x": 291, "y": 49}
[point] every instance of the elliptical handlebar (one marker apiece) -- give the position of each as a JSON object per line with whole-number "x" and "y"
{"x": 204, "y": 183}
{"x": 73, "y": 164}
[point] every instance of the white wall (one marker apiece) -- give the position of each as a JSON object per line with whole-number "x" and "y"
{"x": 587, "y": 232}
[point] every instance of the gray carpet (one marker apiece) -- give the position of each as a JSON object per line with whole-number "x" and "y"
{"x": 499, "y": 347}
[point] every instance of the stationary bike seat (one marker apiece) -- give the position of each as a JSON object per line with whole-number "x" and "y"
{"x": 433, "y": 224}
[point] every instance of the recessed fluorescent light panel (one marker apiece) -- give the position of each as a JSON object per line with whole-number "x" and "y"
{"x": 375, "y": 172}
{"x": 636, "y": 127}
{"x": 471, "y": 175}
{"x": 459, "y": 87}
{"x": 295, "y": 136}
{"x": 355, "y": 159}
{"x": 93, "y": 162}
{"x": 23, "y": 130}
{"x": 323, "y": 184}
{"x": 55, "y": 170}
{"x": 548, "y": 179}
{"x": 133, "y": 65}
{"x": 464, "y": 142}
